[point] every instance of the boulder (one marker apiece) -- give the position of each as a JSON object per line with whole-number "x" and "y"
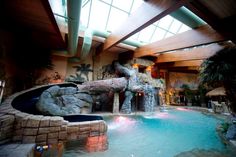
{"x": 63, "y": 101}
{"x": 53, "y": 90}
{"x": 84, "y": 96}
{"x": 67, "y": 91}
{"x": 231, "y": 132}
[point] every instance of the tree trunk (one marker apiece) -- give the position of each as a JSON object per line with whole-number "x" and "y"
{"x": 123, "y": 70}
{"x": 114, "y": 85}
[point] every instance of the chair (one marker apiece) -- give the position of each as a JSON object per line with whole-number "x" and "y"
{"x": 217, "y": 108}
{"x": 225, "y": 107}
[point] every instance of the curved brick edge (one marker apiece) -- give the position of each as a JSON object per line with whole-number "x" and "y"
{"x": 22, "y": 127}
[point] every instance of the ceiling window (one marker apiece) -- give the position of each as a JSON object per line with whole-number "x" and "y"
{"x": 59, "y": 9}
{"x": 164, "y": 28}
{"x": 106, "y": 15}
{"x": 98, "y": 15}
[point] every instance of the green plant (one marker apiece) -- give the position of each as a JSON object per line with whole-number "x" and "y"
{"x": 224, "y": 127}
{"x": 220, "y": 69}
{"x": 187, "y": 92}
{"x": 81, "y": 71}
{"x": 201, "y": 91}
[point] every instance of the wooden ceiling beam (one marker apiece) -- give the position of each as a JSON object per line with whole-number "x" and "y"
{"x": 184, "y": 71}
{"x": 148, "y": 13}
{"x": 191, "y": 63}
{"x": 35, "y": 18}
{"x": 192, "y": 54}
{"x": 194, "y": 70}
{"x": 195, "y": 37}
{"x": 225, "y": 26}
{"x": 196, "y": 63}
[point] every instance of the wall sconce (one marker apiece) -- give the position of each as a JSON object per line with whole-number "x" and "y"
{"x": 149, "y": 68}
{"x": 135, "y": 65}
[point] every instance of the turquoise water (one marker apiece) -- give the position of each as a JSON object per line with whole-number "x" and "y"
{"x": 162, "y": 134}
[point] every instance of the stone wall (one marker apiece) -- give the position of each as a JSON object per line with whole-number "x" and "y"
{"x": 22, "y": 127}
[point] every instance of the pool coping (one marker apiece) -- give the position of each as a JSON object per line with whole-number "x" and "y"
{"x": 21, "y": 127}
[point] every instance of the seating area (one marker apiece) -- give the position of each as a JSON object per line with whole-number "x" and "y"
{"x": 220, "y": 107}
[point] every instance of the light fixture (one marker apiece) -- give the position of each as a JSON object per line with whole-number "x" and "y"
{"x": 149, "y": 68}
{"x": 135, "y": 65}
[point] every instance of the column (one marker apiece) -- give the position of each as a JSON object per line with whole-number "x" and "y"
{"x": 116, "y": 103}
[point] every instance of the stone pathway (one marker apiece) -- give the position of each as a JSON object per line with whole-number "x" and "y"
{"x": 17, "y": 150}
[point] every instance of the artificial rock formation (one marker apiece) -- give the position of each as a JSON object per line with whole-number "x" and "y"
{"x": 63, "y": 101}
{"x": 114, "y": 85}
{"x": 126, "y": 106}
{"x": 138, "y": 83}
{"x": 67, "y": 101}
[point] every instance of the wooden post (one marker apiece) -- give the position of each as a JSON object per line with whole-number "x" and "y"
{"x": 116, "y": 103}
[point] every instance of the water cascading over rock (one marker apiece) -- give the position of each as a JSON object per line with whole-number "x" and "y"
{"x": 149, "y": 100}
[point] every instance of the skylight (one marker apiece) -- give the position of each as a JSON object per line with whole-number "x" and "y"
{"x": 107, "y": 15}
{"x": 59, "y": 8}
{"x": 164, "y": 28}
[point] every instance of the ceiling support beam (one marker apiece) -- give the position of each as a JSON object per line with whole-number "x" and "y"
{"x": 191, "y": 63}
{"x": 148, "y": 13}
{"x": 192, "y": 54}
{"x": 225, "y": 26}
{"x": 200, "y": 36}
{"x": 196, "y": 63}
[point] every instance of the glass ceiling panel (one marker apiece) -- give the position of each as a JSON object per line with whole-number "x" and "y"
{"x": 146, "y": 34}
{"x": 107, "y": 1}
{"x": 176, "y": 25}
{"x": 136, "y": 4}
{"x": 184, "y": 28}
{"x": 168, "y": 34}
{"x": 166, "y": 22}
{"x": 164, "y": 28}
{"x": 158, "y": 34}
{"x": 124, "y": 6}
{"x": 117, "y": 18}
{"x": 108, "y": 15}
{"x": 59, "y": 9}
{"x": 98, "y": 15}
{"x": 85, "y": 12}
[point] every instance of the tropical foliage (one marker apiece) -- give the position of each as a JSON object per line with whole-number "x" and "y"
{"x": 81, "y": 71}
{"x": 220, "y": 70}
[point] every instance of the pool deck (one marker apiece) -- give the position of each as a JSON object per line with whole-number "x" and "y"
{"x": 17, "y": 150}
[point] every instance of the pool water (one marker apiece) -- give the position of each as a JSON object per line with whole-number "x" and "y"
{"x": 161, "y": 134}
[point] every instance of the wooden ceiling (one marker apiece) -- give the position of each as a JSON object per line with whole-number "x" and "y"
{"x": 32, "y": 17}
{"x": 219, "y": 16}
{"x": 36, "y": 18}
